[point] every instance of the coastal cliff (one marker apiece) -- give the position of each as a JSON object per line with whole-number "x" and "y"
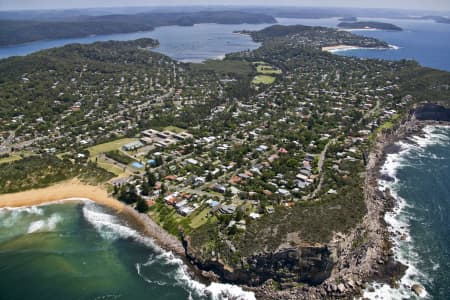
{"x": 430, "y": 111}
{"x": 346, "y": 265}
{"x": 303, "y": 264}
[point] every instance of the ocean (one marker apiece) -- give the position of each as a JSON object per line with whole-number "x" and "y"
{"x": 425, "y": 41}
{"x": 422, "y": 40}
{"x": 83, "y": 251}
{"x": 421, "y": 220}
{"x": 79, "y": 250}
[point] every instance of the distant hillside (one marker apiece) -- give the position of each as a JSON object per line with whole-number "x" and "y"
{"x": 369, "y": 25}
{"x": 20, "y": 31}
{"x": 348, "y": 19}
{"x": 438, "y": 19}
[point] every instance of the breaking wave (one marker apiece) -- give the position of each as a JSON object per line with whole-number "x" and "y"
{"x": 111, "y": 227}
{"x": 399, "y": 219}
{"x": 45, "y": 225}
{"x": 10, "y": 216}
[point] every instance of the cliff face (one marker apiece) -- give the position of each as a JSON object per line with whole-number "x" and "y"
{"x": 432, "y": 112}
{"x": 304, "y": 264}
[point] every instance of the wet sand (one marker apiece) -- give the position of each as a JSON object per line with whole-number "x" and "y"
{"x": 76, "y": 190}
{"x": 64, "y": 190}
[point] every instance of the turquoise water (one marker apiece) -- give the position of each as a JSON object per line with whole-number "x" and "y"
{"x": 79, "y": 250}
{"x": 421, "y": 171}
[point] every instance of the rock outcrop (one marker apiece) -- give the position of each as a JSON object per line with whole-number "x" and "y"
{"x": 304, "y": 264}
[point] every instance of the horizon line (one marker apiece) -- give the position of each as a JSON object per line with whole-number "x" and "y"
{"x": 224, "y": 6}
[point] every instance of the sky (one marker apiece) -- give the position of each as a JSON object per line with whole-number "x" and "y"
{"x": 443, "y": 5}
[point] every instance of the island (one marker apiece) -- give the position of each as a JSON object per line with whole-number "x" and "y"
{"x": 261, "y": 167}
{"x": 369, "y": 25}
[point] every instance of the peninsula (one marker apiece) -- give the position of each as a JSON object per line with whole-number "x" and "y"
{"x": 263, "y": 164}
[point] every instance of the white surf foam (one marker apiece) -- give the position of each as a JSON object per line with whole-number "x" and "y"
{"x": 110, "y": 227}
{"x": 393, "y": 47}
{"x": 398, "y": 219}
{"x": 214, "y": 291}
{"x": 45, "y": 225}
{"x": 158, "y": 282}
{"x": 10, "y": 217}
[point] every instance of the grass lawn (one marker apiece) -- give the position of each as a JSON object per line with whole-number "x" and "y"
{"x": 174, "y": 129}
{"x": 11, "y": 158}
{"x": 262, "y": 63}
{"x": 110, "y": 146}
{"x": 61, "y": 155}
{"x": 116, "y": 170}
{"x": 386, "y": 125}
{"x": 263, "y": 79}
{"x": 268, "y": 70}
{"x": 200, "y": 218}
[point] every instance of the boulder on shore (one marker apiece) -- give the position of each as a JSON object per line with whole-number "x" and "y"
{"x": 417, "y": 289}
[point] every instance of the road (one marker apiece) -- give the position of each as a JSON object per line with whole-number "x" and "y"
{"x": 322, "y": 157}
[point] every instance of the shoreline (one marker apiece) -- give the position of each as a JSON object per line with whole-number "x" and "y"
{"x": 74, "y": 190}
{"x": 357, "y": 269}
{"x": 410, "y": 128}
{"x": 342, "y": 48}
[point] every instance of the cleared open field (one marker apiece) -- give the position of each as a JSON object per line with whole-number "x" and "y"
{"x": 11, "y": 158}
{"x": 110, "y": 146}
{"x": 263, "y": 79}
{"x": 268, "y": 70}
{"x": 174, "y": 129}
{"x": 116, "y": 170}
{"x": 200, "y": 218}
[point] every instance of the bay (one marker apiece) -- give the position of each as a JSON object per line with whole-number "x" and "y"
{"x": 79, "y": 250}
{"x": 425, "y": 41}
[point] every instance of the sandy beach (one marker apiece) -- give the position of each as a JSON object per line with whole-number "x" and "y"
{"x": 64, "y": 190}
{"x": 74, "y": 189}
{"x": 339, "y": 48}
{"x": 336, "y": 48}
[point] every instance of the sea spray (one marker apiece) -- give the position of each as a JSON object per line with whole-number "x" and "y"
{"x": 112, "y": 228}
{"x": 45, "y": 225}
{"x": 399, "y": 219}
{"x": 10, "y": 216}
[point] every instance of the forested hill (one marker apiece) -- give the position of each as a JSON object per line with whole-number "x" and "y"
{"x": 114, "y": 54}
{"x": 19, "y": 31}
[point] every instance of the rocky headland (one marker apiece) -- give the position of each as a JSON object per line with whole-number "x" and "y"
{"x": 346, "y": 266}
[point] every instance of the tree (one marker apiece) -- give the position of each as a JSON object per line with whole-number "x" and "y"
{"x": 142, "y": 205}
{"x": 151, "y": 179}
{"x": 128, "y": 194}
{"x": 159, "y": 161}
{"x": 209, "y": 177}
{"x": 145, "y": 188}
